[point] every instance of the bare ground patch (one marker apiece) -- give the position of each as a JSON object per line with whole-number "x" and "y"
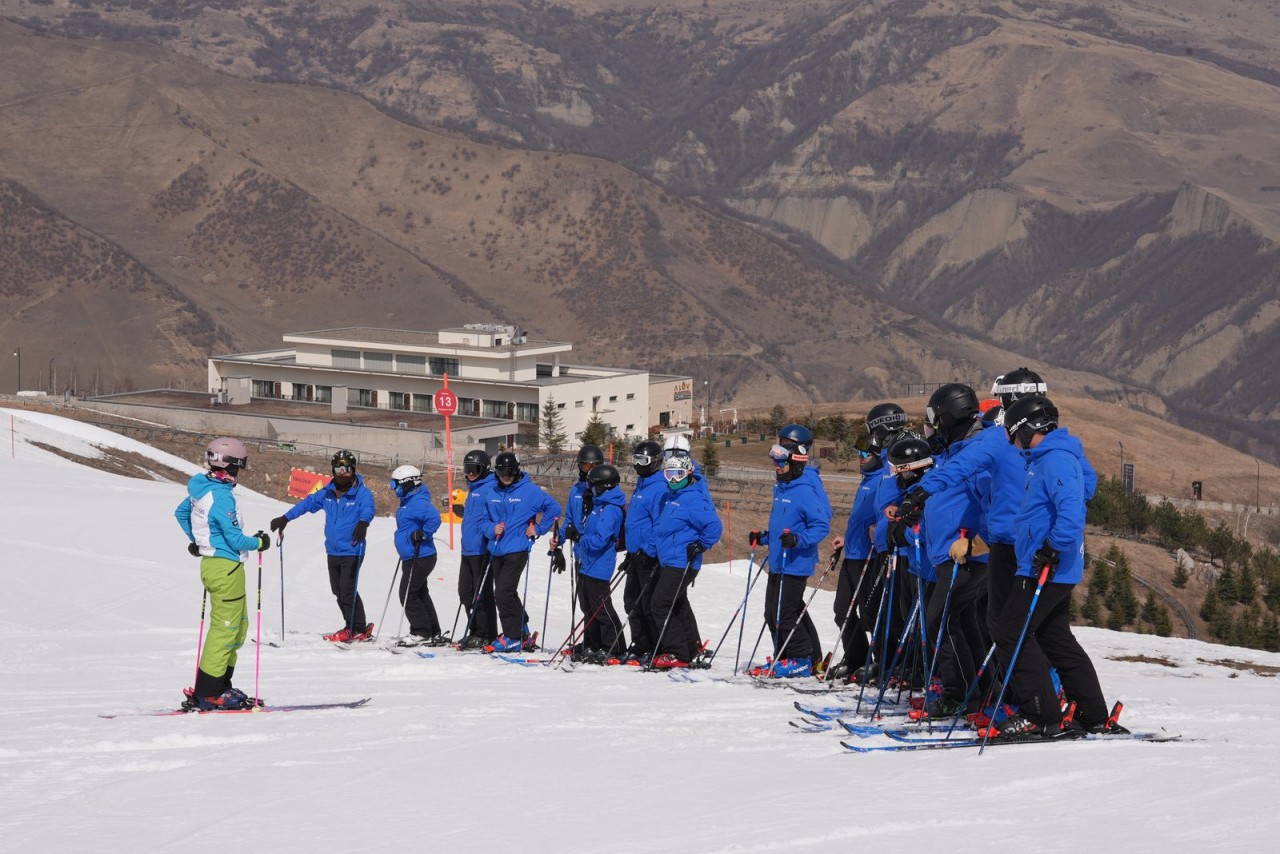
{"x": 126, "y": 463}
{"x": 1258, "y": 669}
{"x": 1145, "y": 659}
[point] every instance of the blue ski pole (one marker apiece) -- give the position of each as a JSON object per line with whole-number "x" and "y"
{"x": 1013, "y": 660}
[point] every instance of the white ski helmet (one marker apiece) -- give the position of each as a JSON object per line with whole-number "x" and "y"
{"x": 221, "y": 453}
{"x": 410, "y": 473}
{"x": 677, "y": 445}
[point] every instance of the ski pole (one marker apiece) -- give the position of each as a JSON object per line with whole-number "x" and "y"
{"x": 387, "y": 604}
{"x": 888, "y": 622}
{"x": 413, "y": 567}
{"x": 848, "y": 615}
{"x": 764, "y": 624}
{"x": 907, "y": 631}
{"x": 573, "y": 590}
{"x": 565, "y": 648}
{"x": 742, "y": 621}
{"x": 657, "y": 644}
{"x": 280, "y": 546}
{"x": 751, "y": 581}
{"x": 942, "y": 628}
{"x": 528, "y": 571}
{"x": 777, "y": 619}
{"x": 475, "y": 600}
{"x": 204, "y": 600}
{"x": 355, "y": 592}
{"x": 973, "y": 686}
{"x": 835, "y": 556}
{"x": 257, "y": 648}
{"x": 1013, "y": 660}
{"x": 886, "y": 579}
{"x": 546, "y": 604}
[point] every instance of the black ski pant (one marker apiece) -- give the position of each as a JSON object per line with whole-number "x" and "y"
{"x": 637, "y": 596}
{"x": 1048, "y": 643}
{"x": 1002, "y": 568}
{"x": 506, "y": 570}
{"x": 960, "y": 648}
{"x": 783, "y": 602}
{"x": 670, "y": 607}
{"x": 877, "y": 617}
{"x": 416, "y": 597}
{"x": 603, "y": 629}
{"x": 343, "y": 570}
{"x": 482, "y": 615}
{"x": 847, "y": 611}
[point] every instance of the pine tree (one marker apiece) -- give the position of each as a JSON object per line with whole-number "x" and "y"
{"x": 1099, "y": 579}
{"x": 1149, "y": 607}
{"x": 1163, "y": 623}
{"x": 1210, "y": 607}
{"x": 596, "y": 432}
{"x": 551, "y": 429}
{"x": 1091, "y": 611}
{"x": 1246, "y": 585}
{"x": 1180, "y": 576}
{"x": 710, "y": 457}
{"x": 777, "y": 418}
{"x": 1226, "y": 584}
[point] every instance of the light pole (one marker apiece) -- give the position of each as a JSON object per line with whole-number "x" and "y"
{"x": 52, "y": 390}
{"x": 1121, "y": 444}
{"x": 706, "y": 387}
{"x": 18, "y": 352}
{"x": 1257, "y": 485}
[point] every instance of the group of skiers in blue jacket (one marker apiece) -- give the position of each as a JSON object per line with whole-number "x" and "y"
{"x": 970, "y": 538}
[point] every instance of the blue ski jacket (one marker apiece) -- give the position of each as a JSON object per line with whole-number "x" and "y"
{"x": 417, "y": 512}
{"x": 1053, "y": 506}
{"x": 642, "y": 512}
{"x": 987, "y": 453}
{"x": 685, "y": 516}
{"x": 964, "y": 506}
{"x": 341, "y": 513}
{"x": 918, "y": 563}
{"x": 811, "y": 474}
{"x": 475, "y": 524}
{"x": 516, "y": 506}
{"x": 573, "y": 509}
{"x": 597, "y": 549}
{"x": 210, "y": 518}
{"x": 798, "y": 507}
{"x": 887, "y": 493}
{"x": 863, "y": 516}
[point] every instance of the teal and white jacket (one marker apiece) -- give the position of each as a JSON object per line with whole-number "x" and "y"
{"x": 211, "y": 519}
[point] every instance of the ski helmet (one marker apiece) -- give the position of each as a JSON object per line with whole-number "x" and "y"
{"x": 797, "y": 433}
{"x": 788, "y": 460}
{"x": 405, "y": 479}
{"x": 603, "y": 478}
{"x": 1017, "y": 383}
{"x": 676, "y": 445}
{"x": 951, "y": 411}
{"x": 589, "y": 456}
{"x": 343, "y": 459}
{"x": 647, "y": 458}
{"x": 1028, "y": 415}
{"x": 869, "y": 459}
{"x": 506, "y": 464}
{"x": 909, "y": 459}
{"x": 883, "y": 420}
{"x": 476, "y": 462}
{"x": 677, "y": 471}
{"x": 225, "y": 453}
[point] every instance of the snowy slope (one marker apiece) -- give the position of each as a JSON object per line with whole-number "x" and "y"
{"x": 462, "y": 753}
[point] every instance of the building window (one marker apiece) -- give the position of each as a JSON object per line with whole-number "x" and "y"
{"x": 631, "y": 396}
{"x": 559, "y": 406}
{"x": 302, "y": 391}
{"x": 577, "y": 404}
{"x": 631, "y": 428}
{"x": 468, "y": 406}
{"x": 545, "y": 370}
{"x": 346, "y": 358}
{"x": 613, "y": 398}
{"x": 496, "y": 409}
{"x": 324, "y": 394}
{"x": 440, "y": 366}
{"x": 377, "y": 361}
{"x": 411, "y": 364}
{"x": 399, "y": 400}
{"x": 366, "y": 397}
{"x": 527, "y": 412}
{"x": 265, "y": 388}
{"x": 422, "y": 403}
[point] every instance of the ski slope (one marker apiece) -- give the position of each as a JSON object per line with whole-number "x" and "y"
{"x": 461, "y": 753}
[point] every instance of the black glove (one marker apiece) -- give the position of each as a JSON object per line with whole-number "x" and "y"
{"x": 1046, "y": 555}
{"x": 278, "y": 523}
{"x": 625, "y": 566}
{"x": 753, "y": 539}
{"x": 912, "y": 506}
{"x": 193, "y": 550}
{"x": 588, "y": 501}
{"x": 692, "y": 551}
{"x": 571, "y": 533}
{"x": 789, "y": 540}
{"x": 558, "y": 563}
{"x": 358, "y": 533}
{"x": 264, "y": 541}
{"x": 898, "y": 533}
{"x": 418, "y": 537}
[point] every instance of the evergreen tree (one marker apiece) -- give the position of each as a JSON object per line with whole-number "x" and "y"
{"x": 1210, "y": 607}
{"x": 1271, "y": 633}
{"x": 1246, "y": 585}
{"x": 710, "y": 458}
{"x": 777, "y": 418}
{"x": 596, "y": 432}
{"x": 1091, "y": 612}
{"x": 1121, "y": 600}
{"x": 1099, "y": 578}
{"x": 551, "y": 429}
{"x": 1115, "y": 620}
{"x": 1226, "y": 584}
{"x": 1220, "y": 542}
{"x": 1149, "y": 607}
{"x": 1180, "y": 576}
{"x": 1163, "y": 623}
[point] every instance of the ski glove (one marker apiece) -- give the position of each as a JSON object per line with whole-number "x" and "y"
{"x": 571, "y": 533}
{"x": 358, "y": 533}
{"x": 588, "y": 501}
{"x": 898, "y": 533}
{"x": 558, "y": 563}
{"x": 912, "y": 506}
{"x": 418, "y": 537}
{"x": 789, "y": 540}
{"x": 1046, "y": 555}
{"x": 193, "y": 550}
{"x": 278, "y": 523}
{"x": 692, "y": 551}
{"x": 264, "y": 541}
{"x": 753, "y": 539}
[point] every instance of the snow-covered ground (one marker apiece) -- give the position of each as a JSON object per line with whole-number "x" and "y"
{"x": 462, "y": 753}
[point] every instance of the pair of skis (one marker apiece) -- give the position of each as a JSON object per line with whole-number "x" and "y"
{"x": 257, "y": 710}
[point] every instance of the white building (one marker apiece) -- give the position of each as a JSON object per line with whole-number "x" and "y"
{"x": 495, "y": 371}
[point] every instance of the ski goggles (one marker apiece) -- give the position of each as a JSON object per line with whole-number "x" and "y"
{"x": 474, "y": 468}
{"x": 1019, "y": 388}
{"x": 914, "y": 465}
{"x": 780, "y": 456}
{"x": 344, "y": 470}
{"x": 644, "y": 460}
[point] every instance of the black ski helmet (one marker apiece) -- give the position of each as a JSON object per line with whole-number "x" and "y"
{"x": 507, "y": 464}
{"x": 883, "y": 420}
{"x": 797, "y": 433}
{"x": 1017, "y": 383}
{"x": 476, "y": 462}
{"x": 1028, "y": 415}
{"x": 343, "y": 458}
{"x": 647, "y": 458}
{"x": 603, "y": 478}
{"x": 909, "y": 459}
{"x": 588, "y": 456}
{"x": 951, "y": 411}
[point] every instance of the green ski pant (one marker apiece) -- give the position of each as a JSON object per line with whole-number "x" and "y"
{"x": 228, "y": 613}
